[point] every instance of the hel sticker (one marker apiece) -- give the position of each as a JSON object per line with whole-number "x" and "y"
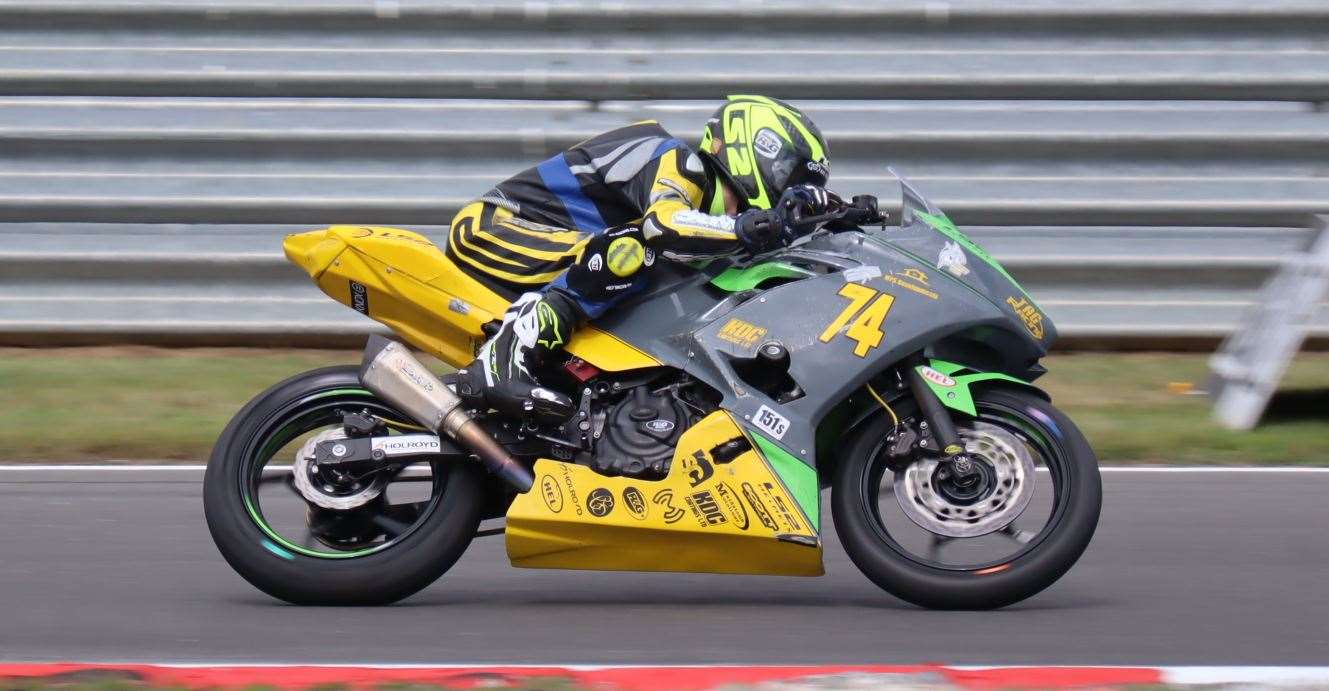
{"x": 952, "y": 259}
{"x": 635, "y": 502}
{"x": 553, "y": 496}
{"x": 936, "y": 377}
{"x": 649, "y": 258}
{"x": 770, "y": 421}
{"x": 596, "y": 263}
{"x": 360, "y": 298}
{"x": 767, "y": 143}
{"x": 861, "y": 274}
{"x": 404, "y": 445}
{"x": 1032, "y": 318}
{"x": 600, "y": 502}
{"x": 819, "y": 168}
{"x": 741, "y": 333}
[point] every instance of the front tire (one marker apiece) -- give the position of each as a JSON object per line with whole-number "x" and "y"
{"x": 321, "y": 575}
{"x": 1071, "y": 468}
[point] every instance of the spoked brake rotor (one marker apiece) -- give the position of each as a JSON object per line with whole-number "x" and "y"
{"x": 931, "y": 496}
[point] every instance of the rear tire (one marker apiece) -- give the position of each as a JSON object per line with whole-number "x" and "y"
{"x": 858, "y": 524}
{"x": 393, "y": 573}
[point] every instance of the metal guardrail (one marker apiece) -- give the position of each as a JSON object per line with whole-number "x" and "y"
{"x": 152, "y": 152}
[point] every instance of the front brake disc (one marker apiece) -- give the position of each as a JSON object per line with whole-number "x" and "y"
{"x": 1008, "y": 475}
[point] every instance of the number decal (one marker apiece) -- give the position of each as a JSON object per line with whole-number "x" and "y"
{"x": 863, "y": 315}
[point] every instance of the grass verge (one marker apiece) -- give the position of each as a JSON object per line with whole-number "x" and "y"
{"x": 97, "y": 404}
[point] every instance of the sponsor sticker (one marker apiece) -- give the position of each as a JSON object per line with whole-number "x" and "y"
{"x": 595, "y": 263}
{"x": 359, "y": 298}
{"x": 600, "y": 502}
{"x": 553, "y": 496}
{"x": 741, "y": 333}
{"x": 705, "y": 221}
{"x": 759, "y": 507}
{"x": 665, "y": 500}
{"x": 698, "y": 468}
{"x": 936, "y": 377}
{"x": 705, "y": 508}
{"x": 405, "y": 444}
{"x": 771, "y": 422}
{"x": 767, "y": 143}
{"x": 635, "y": 502}
{"x": 912, "y": 280}
{"x": 952, "y": 259}
{"x": 659, "y": 426}
{"x": 733, "y": 505}
{"x": 861, "y": 274}
{"x": 1032, "y": 318}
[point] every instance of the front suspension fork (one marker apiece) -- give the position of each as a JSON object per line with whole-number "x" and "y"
{"x": 938, "y": 418}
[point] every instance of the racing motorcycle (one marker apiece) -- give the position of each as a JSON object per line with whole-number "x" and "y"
{"x": 890, "y": 364}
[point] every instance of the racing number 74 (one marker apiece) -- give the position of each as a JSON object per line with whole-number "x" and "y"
{"x": 867, "y": 309}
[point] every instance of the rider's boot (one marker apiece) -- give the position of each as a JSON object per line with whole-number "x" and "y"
{"x": 500, "y": 377}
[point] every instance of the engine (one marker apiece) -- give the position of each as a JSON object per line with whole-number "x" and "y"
{"x": 640, "y": 430}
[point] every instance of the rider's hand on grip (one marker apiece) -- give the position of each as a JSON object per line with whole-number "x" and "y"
{"x": 760, "y": 230}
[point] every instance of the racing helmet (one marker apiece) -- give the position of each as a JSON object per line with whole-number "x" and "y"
{"x": 768, "y": 147}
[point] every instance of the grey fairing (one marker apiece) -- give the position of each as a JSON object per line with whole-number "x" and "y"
{"x": 679, "y": 318}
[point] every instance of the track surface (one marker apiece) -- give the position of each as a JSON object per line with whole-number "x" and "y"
{"x": 1187, "y": 568}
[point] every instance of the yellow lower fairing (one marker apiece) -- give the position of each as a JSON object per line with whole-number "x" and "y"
{"x": 704, "y": 517}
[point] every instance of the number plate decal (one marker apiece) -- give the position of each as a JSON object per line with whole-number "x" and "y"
{"x": 771, "y": 422}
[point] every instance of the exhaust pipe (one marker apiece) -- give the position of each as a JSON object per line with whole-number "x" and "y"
{"x": 393, "y": 374}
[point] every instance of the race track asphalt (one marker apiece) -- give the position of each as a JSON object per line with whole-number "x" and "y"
{"x": 1186, "y": 568}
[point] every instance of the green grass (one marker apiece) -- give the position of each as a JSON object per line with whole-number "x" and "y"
{"x": 85, "y": 404}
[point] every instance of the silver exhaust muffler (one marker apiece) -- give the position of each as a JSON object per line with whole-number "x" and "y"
{"x": 393, "y": 374}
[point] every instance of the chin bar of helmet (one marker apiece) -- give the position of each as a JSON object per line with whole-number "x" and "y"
{"x": 394, "y": 375}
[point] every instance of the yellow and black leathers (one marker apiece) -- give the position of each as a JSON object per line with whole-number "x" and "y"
{"x": 528, "y": 231}
{"x": 578, "y": 233}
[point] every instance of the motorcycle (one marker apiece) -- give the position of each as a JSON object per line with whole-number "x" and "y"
{"x": 890, "y": 364}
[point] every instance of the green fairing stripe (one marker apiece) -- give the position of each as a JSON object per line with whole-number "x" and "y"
{"x": 798, "y": 477}
{"x": 960, "y": 396}
{"x": 946, "y": 227}
{"x": 736, "y": 280}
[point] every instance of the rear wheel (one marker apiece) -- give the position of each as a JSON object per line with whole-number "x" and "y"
{"x": 311, "y": 536}
{"x": 1020, "y": 525}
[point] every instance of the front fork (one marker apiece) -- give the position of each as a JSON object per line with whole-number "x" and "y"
{"x": 942, "y": 426}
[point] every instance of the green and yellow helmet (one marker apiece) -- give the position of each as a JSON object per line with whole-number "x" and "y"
{"x": 768, "y": 147}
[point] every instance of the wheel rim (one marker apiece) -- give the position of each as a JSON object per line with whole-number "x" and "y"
{"x": 292, "y": 525}
{"x": 994, "y": 550}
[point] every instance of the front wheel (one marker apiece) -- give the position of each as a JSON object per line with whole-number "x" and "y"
{"x": 360, "y": 540}
{"x": 924, "y": 538}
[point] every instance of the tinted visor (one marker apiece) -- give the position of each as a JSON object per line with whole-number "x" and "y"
{"x": 793, "y": 168}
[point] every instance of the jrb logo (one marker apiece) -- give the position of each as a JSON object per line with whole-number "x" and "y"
{"x": 1032, "y": 318}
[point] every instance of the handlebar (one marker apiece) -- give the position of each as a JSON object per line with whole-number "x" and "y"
{"x": 861, "y": 209}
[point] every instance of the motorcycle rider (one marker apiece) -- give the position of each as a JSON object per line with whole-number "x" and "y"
{"x": 573, "y": 236}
